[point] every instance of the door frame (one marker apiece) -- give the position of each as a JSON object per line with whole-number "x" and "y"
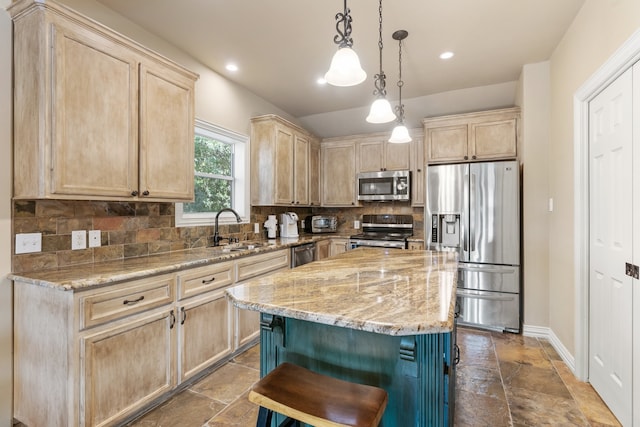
{"x": 622, "y": 59}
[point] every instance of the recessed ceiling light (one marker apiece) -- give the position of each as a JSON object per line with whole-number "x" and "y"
{"x": 446, "y": 55}
{"x": 321, "y": 81}
{"x": 232, "y": 67}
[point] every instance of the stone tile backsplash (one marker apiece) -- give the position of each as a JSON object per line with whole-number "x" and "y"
{"x": 146, "y": 228}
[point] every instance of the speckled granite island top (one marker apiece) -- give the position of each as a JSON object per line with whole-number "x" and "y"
{"x": 386, "y": 291}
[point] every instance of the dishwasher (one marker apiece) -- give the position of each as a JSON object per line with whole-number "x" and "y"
{"x": 303, "y": 254}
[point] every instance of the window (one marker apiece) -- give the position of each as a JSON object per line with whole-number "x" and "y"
{"x": 221, "y": 177}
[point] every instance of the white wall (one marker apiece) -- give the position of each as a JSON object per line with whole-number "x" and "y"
{"x": 6, "y": 306}
{"x": 597, "y": 31}
{"x": 535, "y": 98}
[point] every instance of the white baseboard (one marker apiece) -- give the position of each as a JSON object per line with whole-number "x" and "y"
{"x": 547, "y": 333}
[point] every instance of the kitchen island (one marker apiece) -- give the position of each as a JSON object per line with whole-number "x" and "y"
{"x": 375, "y": 316}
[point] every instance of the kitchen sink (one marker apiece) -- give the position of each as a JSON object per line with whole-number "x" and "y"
{"x": 241, "y": 246}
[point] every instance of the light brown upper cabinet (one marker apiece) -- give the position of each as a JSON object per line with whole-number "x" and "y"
{"x": 376, "y": 154}
{"x": 281, "y": 169}
{"x": 339, "y": 172}
{"x": 96, "y": 115}
{"x": 486, "y": 135}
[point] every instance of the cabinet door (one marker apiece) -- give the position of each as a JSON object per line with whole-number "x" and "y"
{"x": 371, "y": 156}
{"x": 493, "y": 140}
{"x": 418, "y": 165}
{"x": 314, "y": 174}
{"x": 447, "y": 143}
{"x": 301, "y": 170}
{"x": 338, "y": 246}
{"x": 247, "y": 322}
{"x": 94, "y": 115}
{"x": 166, "y": 133}
{"x": 284, "y": 146}
{"x": 126, "y": 366}
{"x": 322, "y": 249}
{"x": 338, "y": 174}
{"x": 204, "y": 333}
{"x": 397, "y": 157}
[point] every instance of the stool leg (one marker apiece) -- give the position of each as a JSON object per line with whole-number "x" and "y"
{"x": 264, "y": 417}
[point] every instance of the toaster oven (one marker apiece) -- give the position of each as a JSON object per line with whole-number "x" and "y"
{"x": 320, "y": 224}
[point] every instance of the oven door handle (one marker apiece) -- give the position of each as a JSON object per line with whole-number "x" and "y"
{"x": 464, "y": 294}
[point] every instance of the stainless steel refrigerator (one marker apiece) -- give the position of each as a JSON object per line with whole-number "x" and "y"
{"x": 474, "y": 209}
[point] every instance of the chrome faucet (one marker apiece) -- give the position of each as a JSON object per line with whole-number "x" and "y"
{"x": 216, "y": 236}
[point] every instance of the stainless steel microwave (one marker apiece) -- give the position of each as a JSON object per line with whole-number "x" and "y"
{"x": 384, "y": 185}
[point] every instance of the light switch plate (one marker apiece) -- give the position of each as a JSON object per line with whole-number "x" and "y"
{"x": 78, "y": 239}
{"x": 95, "y": 239}
{"x": 28, "y": 243}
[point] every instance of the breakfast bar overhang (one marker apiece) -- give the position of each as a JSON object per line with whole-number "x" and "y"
{"x": 383, "y": 317}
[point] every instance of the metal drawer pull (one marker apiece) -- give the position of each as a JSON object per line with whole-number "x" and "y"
{"x": 172, "y": 319}
{"x": 133, "y": 301}
{"x": 206, "y": 282}
{"x": 184, "y": 315}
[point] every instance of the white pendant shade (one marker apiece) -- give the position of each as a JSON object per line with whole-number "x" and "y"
{"x": 345, "y": 69}
{"x": 381, "y": 112}
{"x": 400, "y": 135}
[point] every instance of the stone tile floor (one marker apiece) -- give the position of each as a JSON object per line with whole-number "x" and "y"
{"x": 502, "y": 380}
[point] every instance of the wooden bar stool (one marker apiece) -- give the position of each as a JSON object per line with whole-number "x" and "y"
{"x": 319, "y": 400}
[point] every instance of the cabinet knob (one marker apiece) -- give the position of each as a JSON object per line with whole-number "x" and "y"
{"x": 134, "y": 193}
{"x": 419, "y": 170}
{"x": 473, "y": 157}
{"x": 466, "y": 157}
{"x": 145, "y": 193}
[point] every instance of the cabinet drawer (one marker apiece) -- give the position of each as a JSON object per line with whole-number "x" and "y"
{"x": 203, "y": 279}
{"x": 130, "y": 298}
{"x": 261, "y": 264}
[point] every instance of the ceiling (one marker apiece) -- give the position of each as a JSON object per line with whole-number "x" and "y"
{"x": 283, "y": 46}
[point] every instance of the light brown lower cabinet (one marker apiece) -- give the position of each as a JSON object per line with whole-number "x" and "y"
{"x": 338, "y": 246}
{"x": 322, "y": 249}
{"x": 414, "y": 245}
{"x": 247, "y": 322}
{"x": 97, "y": 357}
{"x": 125, "y": 367}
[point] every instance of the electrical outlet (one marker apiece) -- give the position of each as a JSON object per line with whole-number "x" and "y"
{"x": 356, "y": 224}
{"x": 78, "y": 239}
{"x": 256, "y": 227}
{"x": 95, "y": 239}
{"x": 28, "y": 243}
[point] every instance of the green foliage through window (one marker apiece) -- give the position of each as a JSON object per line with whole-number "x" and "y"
{"x": 213, "y": 176}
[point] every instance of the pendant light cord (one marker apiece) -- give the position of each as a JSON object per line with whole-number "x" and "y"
{"x": 380, "y": 79}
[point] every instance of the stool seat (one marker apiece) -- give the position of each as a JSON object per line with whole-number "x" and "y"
{"x": 317, "y": 399}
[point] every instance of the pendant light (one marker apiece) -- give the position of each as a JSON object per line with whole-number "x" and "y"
{"x": 345, "y": 69}
{"x": 381, "y": 111}
{"x": 400, "y": 133}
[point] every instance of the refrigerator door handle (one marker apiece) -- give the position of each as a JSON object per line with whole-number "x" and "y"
{"x": 473, "y": 209}
{"x": 500, "y": 297}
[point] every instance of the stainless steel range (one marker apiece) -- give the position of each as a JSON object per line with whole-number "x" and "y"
{"x": 387, "y": 231}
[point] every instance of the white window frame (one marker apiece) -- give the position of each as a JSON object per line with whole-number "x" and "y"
{"x": 240, "y": 186}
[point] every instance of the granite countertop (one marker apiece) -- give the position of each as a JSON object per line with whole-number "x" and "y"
{"x": 385, "y": 291}
{"x": 83, "y": 276}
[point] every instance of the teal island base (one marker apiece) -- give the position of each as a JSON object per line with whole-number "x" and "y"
{"x": 417, "y": 371}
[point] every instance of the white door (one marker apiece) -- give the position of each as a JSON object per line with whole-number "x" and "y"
{"x": 636, "y": 244}
{"x": 611, "y": 218}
